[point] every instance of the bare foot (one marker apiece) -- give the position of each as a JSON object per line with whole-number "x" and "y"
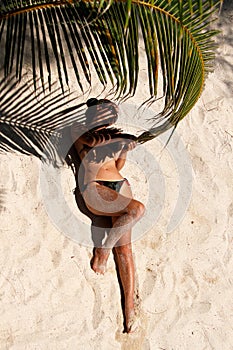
{"x": 99, "y": 260}
{"x": 131, "y": 321}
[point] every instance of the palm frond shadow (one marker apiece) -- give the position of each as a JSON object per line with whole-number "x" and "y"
{"x": 32, "y": 123}
{"x": 38, "y": 123}
{"x": 83, "y": 43}
{"x": 2, "y": 199}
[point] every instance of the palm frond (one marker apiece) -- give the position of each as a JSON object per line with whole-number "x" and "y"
{"x": 177, "y": 38}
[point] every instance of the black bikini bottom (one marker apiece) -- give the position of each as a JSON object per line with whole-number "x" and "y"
{"x": 114, "y": 185}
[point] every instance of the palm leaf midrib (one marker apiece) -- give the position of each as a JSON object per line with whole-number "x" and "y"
{"x": 34, "y": 7}
{"x": 185, "y": 28}
{"x": 134, "y": 2}
{"x": 181, "y": 25}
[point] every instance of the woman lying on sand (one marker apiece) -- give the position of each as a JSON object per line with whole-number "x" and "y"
{"x": 107, "y": 194}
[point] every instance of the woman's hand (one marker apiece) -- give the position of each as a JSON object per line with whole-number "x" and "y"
{"x": 129, "y": 146}
{"x": 100, "y": 136}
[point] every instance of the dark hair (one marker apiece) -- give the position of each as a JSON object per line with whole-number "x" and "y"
{"x": 93, "y": 102}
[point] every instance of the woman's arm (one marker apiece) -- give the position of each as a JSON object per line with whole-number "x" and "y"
{"x": 98, "y": 137}
{"x": 91, "y": 138}
{"x": 120, "y": 162}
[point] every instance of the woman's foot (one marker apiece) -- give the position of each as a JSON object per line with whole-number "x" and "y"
{"x": 131, "y": 321}
{"x": 99, "y": 260}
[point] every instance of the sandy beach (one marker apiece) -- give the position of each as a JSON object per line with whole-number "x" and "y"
{"x": 51, "y": 299}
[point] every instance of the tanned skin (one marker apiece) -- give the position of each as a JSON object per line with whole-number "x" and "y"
{"x": 123, "y": 210}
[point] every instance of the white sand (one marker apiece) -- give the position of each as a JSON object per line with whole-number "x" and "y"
{"x": 51, "y": 299}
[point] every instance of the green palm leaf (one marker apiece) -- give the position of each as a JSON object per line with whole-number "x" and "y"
{"x": 176, "y": 35}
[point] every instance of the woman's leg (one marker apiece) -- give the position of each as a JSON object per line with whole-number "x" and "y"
{"x": 100, "y": 226}
{"x": 125, "y": 265}
{"x": 101, "y": 200}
